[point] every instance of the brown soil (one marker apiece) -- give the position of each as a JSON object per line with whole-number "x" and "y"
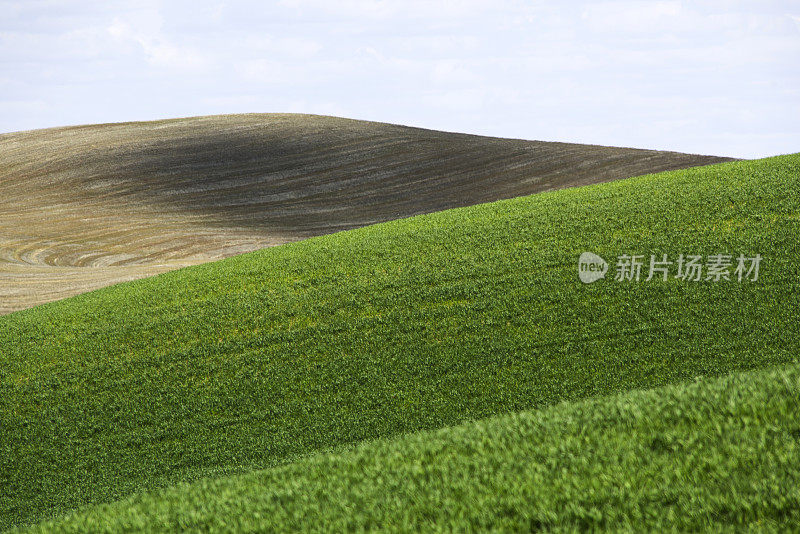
{"x": 88, "y": 206}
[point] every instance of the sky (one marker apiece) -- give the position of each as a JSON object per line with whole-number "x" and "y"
{"x": 709, "y": 77}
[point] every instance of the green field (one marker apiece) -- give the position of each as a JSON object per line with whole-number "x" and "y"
{"x": 689, "y": 458}
{"x": 265, "y": 360}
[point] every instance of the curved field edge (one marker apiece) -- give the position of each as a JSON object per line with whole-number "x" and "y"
{"x": 710, "y": 454}
{"x": 415, "y": 324}
{"x": 88, "y": 206}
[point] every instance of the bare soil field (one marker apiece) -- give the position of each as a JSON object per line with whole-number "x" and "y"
{"x": 88, "y": 206}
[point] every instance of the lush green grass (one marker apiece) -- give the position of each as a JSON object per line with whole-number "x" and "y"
{"x": 415, "y": 324}
{"x": 688, "y": 458}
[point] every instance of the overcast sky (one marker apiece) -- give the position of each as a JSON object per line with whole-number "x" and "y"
{"x": 713, "y": 77}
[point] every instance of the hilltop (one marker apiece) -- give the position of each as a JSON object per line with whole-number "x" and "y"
{"x": 88, "y": 206}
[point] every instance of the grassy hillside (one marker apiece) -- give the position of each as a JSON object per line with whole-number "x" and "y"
{"x": 705, "y": 456}
{"x": 414, "y": 324}
{"x": 87, "y": 206}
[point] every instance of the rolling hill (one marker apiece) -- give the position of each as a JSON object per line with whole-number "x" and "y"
{"x": 88, "y": 206}
{"x": 693, "y": 457}
{"x": 266, "y": 360}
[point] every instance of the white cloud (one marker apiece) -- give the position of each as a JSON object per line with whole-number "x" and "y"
{"x": 286, "y": 47}
{"x": 695, "y": 76}
{"x": 638, "y": 16}
{"x": 450, "y": 72}
{"x": 409, "y": 9}
{"x": 265, "y": 71}
{"x": 158, "y": 50}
